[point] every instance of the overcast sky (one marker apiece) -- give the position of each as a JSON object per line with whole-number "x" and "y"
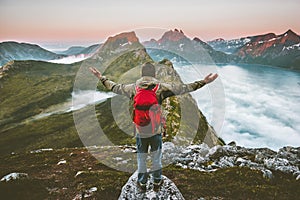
{"x": 95, "y": 20}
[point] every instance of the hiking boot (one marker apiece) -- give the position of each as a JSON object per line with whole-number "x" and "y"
{"x": 141, "y": 186}
{"x": 157, "y": 186}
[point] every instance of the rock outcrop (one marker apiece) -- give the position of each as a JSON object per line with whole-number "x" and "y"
{"x": 203, "y": 158}
{"x": 168, "y": 190}
{"x": 14, "y": 176}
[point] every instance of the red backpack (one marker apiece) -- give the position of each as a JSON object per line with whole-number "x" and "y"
{"x": 147, "y": 114}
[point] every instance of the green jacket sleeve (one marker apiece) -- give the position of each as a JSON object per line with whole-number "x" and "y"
{"x": 122, "y": 89}
{"x": 178, "y": 89}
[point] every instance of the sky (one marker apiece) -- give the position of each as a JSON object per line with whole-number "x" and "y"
{"x": 96, "y": 20}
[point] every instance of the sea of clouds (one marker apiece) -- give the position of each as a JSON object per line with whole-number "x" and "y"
{"x": 261, "y": 104}
{"x": 71, "y": 59}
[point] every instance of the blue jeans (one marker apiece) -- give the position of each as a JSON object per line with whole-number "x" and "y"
{"x": 155, "y": 143}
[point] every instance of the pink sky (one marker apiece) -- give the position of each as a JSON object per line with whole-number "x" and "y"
{"x": 95, "y": 20}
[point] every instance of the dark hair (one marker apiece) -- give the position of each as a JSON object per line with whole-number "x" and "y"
{"x": 148, "y": 69}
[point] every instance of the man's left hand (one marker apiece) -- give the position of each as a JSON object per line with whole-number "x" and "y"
{"x": 210, "y": 78}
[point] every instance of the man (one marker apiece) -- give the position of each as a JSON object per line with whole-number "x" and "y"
{"x": 154, "y": 140}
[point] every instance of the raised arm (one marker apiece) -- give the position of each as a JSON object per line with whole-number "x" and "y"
{"x": 122, "y": 89}
{"x": 178, "y": 89}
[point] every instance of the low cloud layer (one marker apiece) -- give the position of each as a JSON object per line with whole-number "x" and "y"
{"x": 261, "y": 104}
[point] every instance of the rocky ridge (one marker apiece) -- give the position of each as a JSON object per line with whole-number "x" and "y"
{"x": 209, "y": 159}
{"x": 203, "y": 158}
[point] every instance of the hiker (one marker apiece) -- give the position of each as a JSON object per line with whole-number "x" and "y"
{"x": 150, "y": 133}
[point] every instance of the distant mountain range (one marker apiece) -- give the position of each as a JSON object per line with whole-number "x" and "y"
{"x": 177, "y": 47}
{"x": 24, "y": 51}
{"x": 76, "y": 50}
{"x": 228, "y": 46}
{"x": 268, "y": 49}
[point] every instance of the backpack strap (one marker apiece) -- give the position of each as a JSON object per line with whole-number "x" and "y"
{"x": 155, "y": 88}
{"x": 137, "y": 88}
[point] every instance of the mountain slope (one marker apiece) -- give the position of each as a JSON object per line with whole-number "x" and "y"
{"x": 228, "y": 46}
{"x": 267, "y": 49}
{"x": 23, "y": 51}
{"x": 29, "y": 87}
{"x": 71, "y": 51}
{"x": 270, "y": 49}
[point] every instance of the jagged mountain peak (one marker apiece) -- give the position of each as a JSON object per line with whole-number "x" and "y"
{"x": 172, "y": 35}
{"x": 290, "y": 32}
{"x": 290, "y": 36}
{"x": 218, "y": 40}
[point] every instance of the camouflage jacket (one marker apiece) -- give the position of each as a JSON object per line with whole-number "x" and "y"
{"x": 165, "y": 89}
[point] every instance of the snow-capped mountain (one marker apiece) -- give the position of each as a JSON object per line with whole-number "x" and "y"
{"x": 270, "y": 45}
{"x": 228, "y": 46}
{"x": 268, "y": 49}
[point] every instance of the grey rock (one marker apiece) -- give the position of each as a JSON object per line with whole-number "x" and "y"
{"x": 286, "y": 160}
{"x": 267, "y": 174}
{"x": 168, "y": 190}
{"x": 233, "y": 144}
{"x": 14, "y": 176}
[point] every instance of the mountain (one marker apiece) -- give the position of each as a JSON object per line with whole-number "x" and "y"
{"x": 23, "y": 51}
{"x": 120, "y": 59}
{"x": 71, "y": 51}
{"x": 270, "y": 49}
{"x": 76, "y": 50}
{"x": 176, "y": 46}
{"x": 31, "y": 90}
{"x": 90, "y": 49}
{"x": 228, "y": 46}
{"x": 42, "y": 155}
{"x": 267, "y": 49}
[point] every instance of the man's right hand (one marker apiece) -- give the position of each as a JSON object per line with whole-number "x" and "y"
{"x": 96, "y": 72}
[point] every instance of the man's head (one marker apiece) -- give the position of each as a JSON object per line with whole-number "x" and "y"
{"x": 148, "y": 69}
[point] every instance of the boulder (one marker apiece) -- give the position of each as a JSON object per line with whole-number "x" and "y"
{"x": 168, "y": 190}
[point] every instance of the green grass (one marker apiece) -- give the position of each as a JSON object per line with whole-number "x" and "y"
{"x": 29, "y": 87}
